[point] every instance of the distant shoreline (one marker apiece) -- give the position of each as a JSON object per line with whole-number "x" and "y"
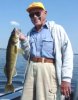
{"x": 5, "y": 49}
{"x": 2, "y": 48}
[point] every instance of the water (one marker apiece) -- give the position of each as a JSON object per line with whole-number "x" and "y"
{"x": 21, "y": 66}
{"x": 75, "y": 72}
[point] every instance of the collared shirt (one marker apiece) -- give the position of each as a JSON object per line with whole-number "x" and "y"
{"x": 41, "y": 43}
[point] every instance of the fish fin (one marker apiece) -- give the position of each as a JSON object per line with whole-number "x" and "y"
{"x": 20, "y": 51}
{"x": 16, "y": 49}
{"x": 15, "y": 73}
{"x": 9, "y": 88}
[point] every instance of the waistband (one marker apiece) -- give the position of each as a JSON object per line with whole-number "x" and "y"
{"x": 41, "y": 59}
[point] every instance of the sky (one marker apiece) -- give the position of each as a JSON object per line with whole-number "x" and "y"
{"x": 13, "y": 14}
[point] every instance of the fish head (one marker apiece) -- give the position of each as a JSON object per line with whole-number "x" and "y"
{"x": 14, "y": 36}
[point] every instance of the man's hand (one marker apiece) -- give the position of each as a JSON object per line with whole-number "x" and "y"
{"x": 21, "y": 35}
{"x": 66, "y": 88}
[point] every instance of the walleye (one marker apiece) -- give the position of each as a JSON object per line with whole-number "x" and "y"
{"x": 11, "y": 58}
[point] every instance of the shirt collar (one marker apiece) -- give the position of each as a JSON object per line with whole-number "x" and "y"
{"x": 44, "y": 26}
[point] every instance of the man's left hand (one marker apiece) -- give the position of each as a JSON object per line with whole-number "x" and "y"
{"x": 66, "y": 88}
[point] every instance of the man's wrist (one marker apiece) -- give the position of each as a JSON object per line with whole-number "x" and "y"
{"x": 67, "y": 80}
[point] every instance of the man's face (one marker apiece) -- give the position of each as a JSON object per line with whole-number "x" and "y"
{"x": 38, "y": 16}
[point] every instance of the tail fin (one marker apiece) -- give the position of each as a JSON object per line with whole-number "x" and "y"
{"x": 9, "y": 88}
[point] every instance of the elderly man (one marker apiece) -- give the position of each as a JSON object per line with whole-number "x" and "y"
{"x": 49, "y": 53}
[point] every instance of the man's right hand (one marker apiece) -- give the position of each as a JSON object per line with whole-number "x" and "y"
{"x": 22, "y": 37}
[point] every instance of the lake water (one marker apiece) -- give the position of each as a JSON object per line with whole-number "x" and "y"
{"x": 20, "y": 66}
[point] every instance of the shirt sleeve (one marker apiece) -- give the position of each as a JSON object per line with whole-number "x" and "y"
{"x": 25, "y": 45}
{"x": 67, "y": 57}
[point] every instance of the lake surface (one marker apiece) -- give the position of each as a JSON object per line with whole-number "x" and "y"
{"x": 21, "y": 66}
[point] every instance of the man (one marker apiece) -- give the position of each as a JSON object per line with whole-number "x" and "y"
{"x": 50, "y": 56}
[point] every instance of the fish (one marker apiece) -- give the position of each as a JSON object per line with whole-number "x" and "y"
{"x": 11, "y": 59}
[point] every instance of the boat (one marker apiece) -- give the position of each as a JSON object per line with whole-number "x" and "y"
{"x": 16, "y": 95}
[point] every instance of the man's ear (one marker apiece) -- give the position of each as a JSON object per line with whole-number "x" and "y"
{"x": 45, "y": 12}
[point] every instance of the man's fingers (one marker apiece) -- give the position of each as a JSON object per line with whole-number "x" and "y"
{"x": 66, "y": 89}
{"x": 65, "y": 92}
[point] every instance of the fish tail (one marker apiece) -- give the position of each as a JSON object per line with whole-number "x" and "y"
{"x": 9, "y": 88}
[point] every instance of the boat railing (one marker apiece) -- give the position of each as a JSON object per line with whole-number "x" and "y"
{"x": 12, "y": 95}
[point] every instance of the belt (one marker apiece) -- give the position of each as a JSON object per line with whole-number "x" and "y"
{"x": 40, "y": 59}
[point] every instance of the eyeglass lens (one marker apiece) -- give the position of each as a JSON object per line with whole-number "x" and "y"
{"x": 35, "y": 13}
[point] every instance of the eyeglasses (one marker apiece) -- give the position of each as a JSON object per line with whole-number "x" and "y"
{"x": 34, "y": 13}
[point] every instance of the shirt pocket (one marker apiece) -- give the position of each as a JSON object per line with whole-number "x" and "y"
{"x": 47, "y": 44}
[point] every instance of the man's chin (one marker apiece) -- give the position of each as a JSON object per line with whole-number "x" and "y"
{"x": 37, "y": 24}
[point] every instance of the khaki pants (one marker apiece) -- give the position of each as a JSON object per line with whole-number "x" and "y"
{"x": 40, "y": 82}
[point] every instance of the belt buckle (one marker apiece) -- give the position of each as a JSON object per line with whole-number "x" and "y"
{"x": 43, "y": 59}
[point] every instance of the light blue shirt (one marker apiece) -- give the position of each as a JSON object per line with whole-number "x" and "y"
{"x": 41, "y": 43}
